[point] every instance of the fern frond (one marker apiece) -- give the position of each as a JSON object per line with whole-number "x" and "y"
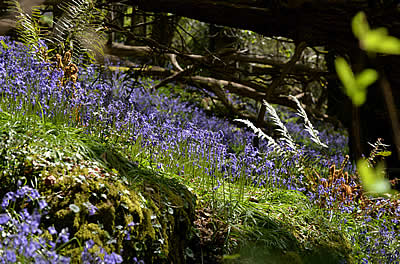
{"x": 78, "y": 29}
{"x": 286, "y": 137}
{"x": 27, "y": 25}
{"x": 260, "y": 134}
{"x": 307, "y": 124}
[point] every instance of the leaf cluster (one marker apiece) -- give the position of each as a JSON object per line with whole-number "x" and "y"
{"x": 79, "y": 29}
{"x": 27, "y": 26}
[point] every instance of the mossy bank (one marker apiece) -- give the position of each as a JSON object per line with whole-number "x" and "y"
{"x": 100, "y": 195}
{"x": 96, "y": 193}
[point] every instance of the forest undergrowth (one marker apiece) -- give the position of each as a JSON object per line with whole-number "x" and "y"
{"x": 296, "y": 198}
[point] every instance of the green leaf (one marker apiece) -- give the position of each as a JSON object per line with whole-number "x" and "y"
{"x": 389, "y": 45}
{"x": 358, "y": 97}
{"x": 366, "y": 78}
{"x": 345, "y": 75}
{"x": 360, "y": 25}
{"x": 355, "y": 86}
{"x": 373, "y": 180}
{"x": 384, "y": 153}
{"x": 372, "y": 39}
{"x": 376, "y": 40}
{"x": 379, "y": 41}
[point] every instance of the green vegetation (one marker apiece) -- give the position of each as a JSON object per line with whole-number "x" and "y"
{"x": 105, "y": 168}
{"x": 95, "y": 193}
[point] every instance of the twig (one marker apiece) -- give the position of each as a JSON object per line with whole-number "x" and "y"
{"x": 172, "y": 77}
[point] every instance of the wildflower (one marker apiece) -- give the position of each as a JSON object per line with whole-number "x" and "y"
{"x": 128, "y": 235}
{"x": 93, "y": 209}
{"x": 132, "y": 224}
{"x": 31, "y": 248}
{"x": 42, "y": 204}
{"x": 10, "y": 256}
{"x": 64, "y": 235}
{"x": 112, "y": 258}
{"x": 52, "y": 230}
{"x": 10, "y": 196}
{"x": 4, "y": 218}
{"x": 89, "y": 244}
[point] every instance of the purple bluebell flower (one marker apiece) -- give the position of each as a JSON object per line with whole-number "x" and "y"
{"x": 42, "y": 204}
{"x": 10, "y": 256}
{"x": 4, "y": 218}
{"x": 52, "y": 230}
{"x": 92, "y": 210}
{"x": 10, "y": 196}
{"x": 89, "y": 244}
{"x": 64, "y": 235}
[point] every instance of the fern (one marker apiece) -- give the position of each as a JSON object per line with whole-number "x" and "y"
{"x": 259, "y": 133}
{"x": 285, "y": 136}
{"x": 79, "y": 29}
{"x": 281, "y": 127}
{"x": 27, "y": 25}
{"x": 307, "y": 124}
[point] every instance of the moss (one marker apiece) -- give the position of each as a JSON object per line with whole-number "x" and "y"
{"x": 176, "y": 206}
{"x": 92, "y": 231}
{"x": 155, "y": 205}
{"x": 332, "y": 248}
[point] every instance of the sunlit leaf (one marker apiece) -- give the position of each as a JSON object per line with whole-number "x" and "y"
{"x": 345, "y": 75}
{"x": 366, "y": 78}
{"x": 390, "y": 45}
{"x": 375, "y": 40}
{"x": 373, "y": 179}
{"x": 379, "y": 41}
{"x": 384, "y": 153}
{"x": 360, "y": 25}
{"x": 359, "y": 97}
{"x": 371, "y": 40}
{"x": 355, "y": 86}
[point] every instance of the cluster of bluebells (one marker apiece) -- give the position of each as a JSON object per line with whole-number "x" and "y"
{"x": 22, "y": 240}
{"x": 379, "y": 236}
{"x": 171, "y": 131}
{"x": 93, "y": 258}
{"x": 21, "y": 235}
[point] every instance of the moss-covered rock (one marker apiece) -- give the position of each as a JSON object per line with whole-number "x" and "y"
{"x": 149, "y": 220}
{"x": 97, "y": 194}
